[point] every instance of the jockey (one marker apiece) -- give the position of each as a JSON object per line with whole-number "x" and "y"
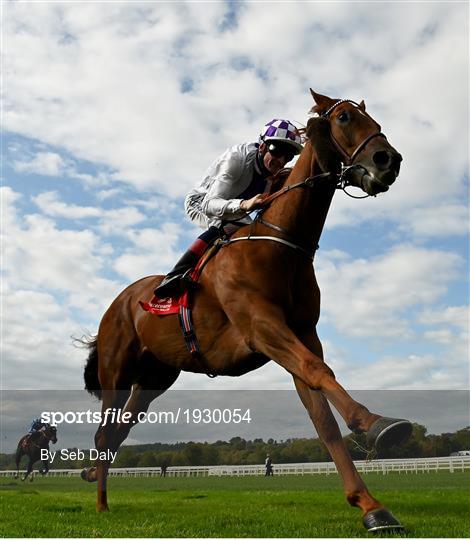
{"x": 235, "y": 184}
{"x": 36, "y": 425}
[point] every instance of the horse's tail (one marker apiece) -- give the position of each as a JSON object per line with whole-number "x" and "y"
{"x": 90, "y": 374}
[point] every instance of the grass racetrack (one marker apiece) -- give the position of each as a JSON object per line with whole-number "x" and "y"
{"x": 428, "y": 505}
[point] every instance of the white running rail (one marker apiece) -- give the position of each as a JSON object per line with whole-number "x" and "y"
{"x": 383, "y": 466}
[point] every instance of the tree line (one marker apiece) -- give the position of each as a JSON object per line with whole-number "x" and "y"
{"x": 238, "y": 451}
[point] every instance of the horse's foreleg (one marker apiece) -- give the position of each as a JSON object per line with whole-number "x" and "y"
{"x": 328, "y": 431}
{"x": 28, "y": 470}
{"x": 376, "y": 518}
{"x": 266, "y": 331}
{"x": 45, "y": 464}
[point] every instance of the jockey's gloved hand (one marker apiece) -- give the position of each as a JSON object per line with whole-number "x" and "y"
{"x": 253, "y": 203}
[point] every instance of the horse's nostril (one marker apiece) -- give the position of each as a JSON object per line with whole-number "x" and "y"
{"x": 382, "y": 158}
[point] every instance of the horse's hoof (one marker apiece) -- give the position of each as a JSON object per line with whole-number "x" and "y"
{"x": 382, "y": 521}
{"x": 386, "y": 432}
{"x": 89, "y": 474}
{"x": 102, "y": 508}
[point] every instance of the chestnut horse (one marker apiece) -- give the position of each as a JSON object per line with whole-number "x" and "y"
{"x": 31, "y": 445}
{"x": 257, "y": 300}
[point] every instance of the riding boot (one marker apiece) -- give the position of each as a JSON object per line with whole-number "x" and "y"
{"x": 178, "y": 280}
{"x": 173, "y": 282}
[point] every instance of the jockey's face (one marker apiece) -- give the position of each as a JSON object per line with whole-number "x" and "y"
{"x": 273, "y": 163}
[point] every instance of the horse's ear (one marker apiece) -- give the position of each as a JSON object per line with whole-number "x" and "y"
{"x": 362, "y": 106}
{"x": 318, "y": 132}
{"x": 322, "y": 103}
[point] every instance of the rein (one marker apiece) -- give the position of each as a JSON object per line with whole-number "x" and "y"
{"x": 308, "y": 182}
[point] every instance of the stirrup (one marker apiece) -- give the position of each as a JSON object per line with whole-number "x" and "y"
{"x": 175, "y": 285}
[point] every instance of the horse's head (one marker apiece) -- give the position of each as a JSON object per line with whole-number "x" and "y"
{"x": 344, "y": 134}
{"x": 50, "y": 432}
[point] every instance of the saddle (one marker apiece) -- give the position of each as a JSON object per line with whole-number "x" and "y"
{"x": 31, "y": 438}
{"x": 171, "y": 306}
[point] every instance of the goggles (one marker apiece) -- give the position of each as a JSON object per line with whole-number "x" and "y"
{"x": 281, "y": 150}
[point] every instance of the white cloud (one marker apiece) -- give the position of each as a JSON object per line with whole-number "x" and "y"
{"x": 108, "y": 193}
{"x": 371, "y": 297}
{"x": 118, "y": 220}
{"x": 128, "y": 66}
{"x": 37, "y": 348}
{"x": 45, "y": 163}
{"x": 413, "y": 372}
{"x": 450, "y": 326}
{"x": 438, "y": 220}
{"x": 50, "y": 205}
{"x": 456, "y": 316}
{"x": 111, "y": 222}
{"x": 41, "y": 256}
{"x": 152, "y": 252}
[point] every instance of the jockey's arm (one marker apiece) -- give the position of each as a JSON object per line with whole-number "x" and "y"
{"x": 218, "y": 201}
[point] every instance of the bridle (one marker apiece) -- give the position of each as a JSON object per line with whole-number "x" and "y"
{"x": 341, "y": 183}
{"x": 349, "y": 159}
{"x": 347, "y": 165}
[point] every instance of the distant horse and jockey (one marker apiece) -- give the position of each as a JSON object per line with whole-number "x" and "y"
{"x": 32, "y": 444}
{"x": 258, "y": 300}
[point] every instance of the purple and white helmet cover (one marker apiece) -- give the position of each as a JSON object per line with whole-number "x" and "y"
{"x": 282, "y": 130}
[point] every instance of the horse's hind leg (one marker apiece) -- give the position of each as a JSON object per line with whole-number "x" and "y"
{"x": 28, "y": 470}
{"x": 154, "y": 380}
{"x": 112, "y": 399}
{"x": 18, "y": 456}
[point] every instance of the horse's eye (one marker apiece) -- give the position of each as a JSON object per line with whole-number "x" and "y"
{"x": 343, "y": 117}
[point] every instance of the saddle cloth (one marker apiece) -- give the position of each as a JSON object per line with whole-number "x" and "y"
{"x": 166, "y": 306}
{"x": 170, "y": 306}
{"x": 181, "y": 306}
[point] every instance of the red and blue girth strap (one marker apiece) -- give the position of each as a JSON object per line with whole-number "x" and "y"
{"x": 189, "y": 334}
{"x": 190, "y": 338}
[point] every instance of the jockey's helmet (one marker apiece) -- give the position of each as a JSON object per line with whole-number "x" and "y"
{"x": 282, "y": 131}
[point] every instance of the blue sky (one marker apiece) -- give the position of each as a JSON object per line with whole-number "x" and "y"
{"x": 113, "y": 111}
